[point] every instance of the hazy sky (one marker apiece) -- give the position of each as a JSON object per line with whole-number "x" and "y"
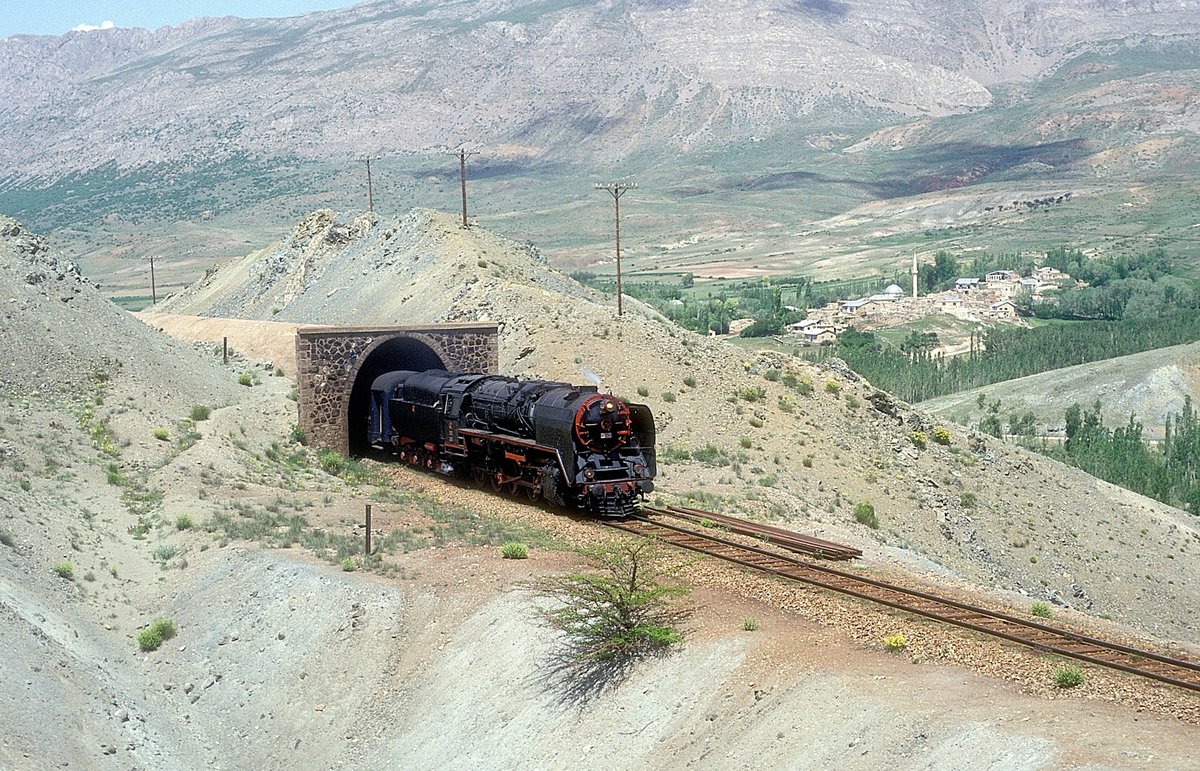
{"x": 56, "y": 17}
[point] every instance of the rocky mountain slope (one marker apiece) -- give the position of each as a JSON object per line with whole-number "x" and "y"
{"x": 524, "y": 78}
{"x": 281, "y": 659}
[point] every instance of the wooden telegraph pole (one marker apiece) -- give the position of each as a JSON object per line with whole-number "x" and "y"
{"x": 370, "y": 186}
{"x": 462, "y": 178}
{"x": 617, "y": 189}
{"x": 153, "y": 287}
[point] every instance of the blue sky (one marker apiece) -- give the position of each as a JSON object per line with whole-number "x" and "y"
{"x": 56, "y": 17}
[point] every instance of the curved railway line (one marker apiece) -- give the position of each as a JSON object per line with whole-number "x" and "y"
{"x": 653, "y": 523}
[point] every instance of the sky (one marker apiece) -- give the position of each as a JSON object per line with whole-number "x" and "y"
{"x": 57, "y": 17}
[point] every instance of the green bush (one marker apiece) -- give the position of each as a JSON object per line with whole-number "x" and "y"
{"x": 668, "y": 396}
{"x": 183, "y": 522}
{"x": 746, "y": 442}
{"x": 161, "y": 434}
{"x": 200, "y": 412}
{"x": 643, "y": 391}
{"x": 805, "y": 387}
{"x": 1041, "y": 609}
{"x": 896, "y": 642}
{"x": 349, "y": 564}
{"x": 772, "y": 375}
{"x": 832, "y": 386}
{"x": 689, "y": 381}
{"x": 617, "y": 613}
{"x": 154, "y": 635}
{"x": 64, "y": 569}
{"x": 1068, "y": 676}
{"x": 807, "y": 461}
{"x": 941, "y": 435}
{"x": 246, "y": 379}
{"x": 968, "y": 500}
{"x": 164, "y": 551}
{"x": 918, "y": 439}
{"x": 864, "y": 512}
{"x": 750, "y": 624}
{"x": 514, "y": 550}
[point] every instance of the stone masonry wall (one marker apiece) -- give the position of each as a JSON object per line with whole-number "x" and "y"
{"x": 328, "y": 360}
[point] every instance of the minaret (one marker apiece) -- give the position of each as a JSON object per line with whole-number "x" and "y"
{"x": 914, "y": 272}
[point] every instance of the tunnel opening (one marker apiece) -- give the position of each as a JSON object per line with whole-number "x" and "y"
{"x": 392, "y": 354}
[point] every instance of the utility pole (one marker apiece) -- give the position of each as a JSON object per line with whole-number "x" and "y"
{"x": 617, "y": 189}
{"x": 370, "y": 187}
{"x": 914, "y": 274}
{"x": 462, "y": 178}
{"x": 153, "y": 288}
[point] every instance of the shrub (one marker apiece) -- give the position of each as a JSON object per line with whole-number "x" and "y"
{"x": 154, "y": 635}
{"x": 864, "y": 512}
{"x": 64, "y": 569}
{"x": 183, "y": 522}
{"x": 349, "y": 564}
{"x": 199, "y": 412}
{"x": 689, "y": 381}
{"x": 918, "y": 439}
{"x": 668, "y": 396}
{"x": 831, "y": 386}
{"x": 514, "y": 550}
{"x": 1041, "y": 609}
{"x": 643, "y": 391}
{"x": 896, "y": 642}
{"x": 753, "y": 394}
{"x": 852, "y": 401}
{"x": 808, "y": 461}
{"x": 706, "y": 522}
{"x": 26, "y": 485}
{"x": 619, "y": 611}
{"x": 246, "y": 379}
{"x": 772, "y": 375}
{"x": 750, "y": 624}
{"x": 756, "y": 422}
{"x": 161, "y": 434}
{"x": 746, "y": 442}
{"x": 298, "y": 436}
{"x": 805, "y": 387}
{"x": 968, "y": 500}
{"x": 941, "y": 435}
{"x": 164, "y": 551}
{"x": 1068, "y": 676}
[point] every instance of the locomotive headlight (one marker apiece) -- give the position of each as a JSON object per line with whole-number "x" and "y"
{"x": 609, "y": 406}
{"x": 638, "y": 468}
{"x": 589, "y": 474}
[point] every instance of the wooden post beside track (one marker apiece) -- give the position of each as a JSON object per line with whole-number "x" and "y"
{"x": 368, "y": 544}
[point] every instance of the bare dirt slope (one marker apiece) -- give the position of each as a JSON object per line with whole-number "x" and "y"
{"x": 281, "y": 659}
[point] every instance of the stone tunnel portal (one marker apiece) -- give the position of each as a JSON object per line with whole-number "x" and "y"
{"x": 336, "y": 366}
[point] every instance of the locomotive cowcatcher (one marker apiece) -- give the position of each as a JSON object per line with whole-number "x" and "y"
{"x": 568, "y": 444}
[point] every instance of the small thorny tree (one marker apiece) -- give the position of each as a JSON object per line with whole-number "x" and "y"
{"x": 611, "y": 617}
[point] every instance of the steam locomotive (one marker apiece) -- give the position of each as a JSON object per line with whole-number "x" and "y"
{"x": 571, "y": 445}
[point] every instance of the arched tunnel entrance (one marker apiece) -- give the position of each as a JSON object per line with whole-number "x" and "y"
{"x": 391, "y": 355}
{"x": 335, "y": 367}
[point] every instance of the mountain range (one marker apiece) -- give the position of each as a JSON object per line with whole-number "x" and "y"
{"x": 714, "y": 102}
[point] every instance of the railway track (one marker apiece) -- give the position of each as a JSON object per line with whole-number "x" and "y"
{"x": 1049, "y": 639}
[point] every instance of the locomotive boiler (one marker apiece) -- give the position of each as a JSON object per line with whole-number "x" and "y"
{"x": 568, "y": 444}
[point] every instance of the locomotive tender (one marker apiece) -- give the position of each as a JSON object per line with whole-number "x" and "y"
{"x": 569, "y": 444}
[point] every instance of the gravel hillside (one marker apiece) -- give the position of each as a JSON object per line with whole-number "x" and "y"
{"x": 734, "y": 434}
{"x": 120, "y": 503}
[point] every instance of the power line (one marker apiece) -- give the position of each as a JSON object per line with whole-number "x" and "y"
{"x": 462, "y": 178}
{"x": 617, "y": 189}
{"x": 370, "y": 187}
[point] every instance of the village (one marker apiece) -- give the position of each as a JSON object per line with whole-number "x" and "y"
{"x": 988, "y": 300}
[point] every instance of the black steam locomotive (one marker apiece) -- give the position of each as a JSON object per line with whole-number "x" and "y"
{"x": 569, "y": 444}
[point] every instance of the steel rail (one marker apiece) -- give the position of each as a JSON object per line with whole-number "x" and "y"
{"x": 789, "y": 539}
{"x": 1173, "y": 671}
